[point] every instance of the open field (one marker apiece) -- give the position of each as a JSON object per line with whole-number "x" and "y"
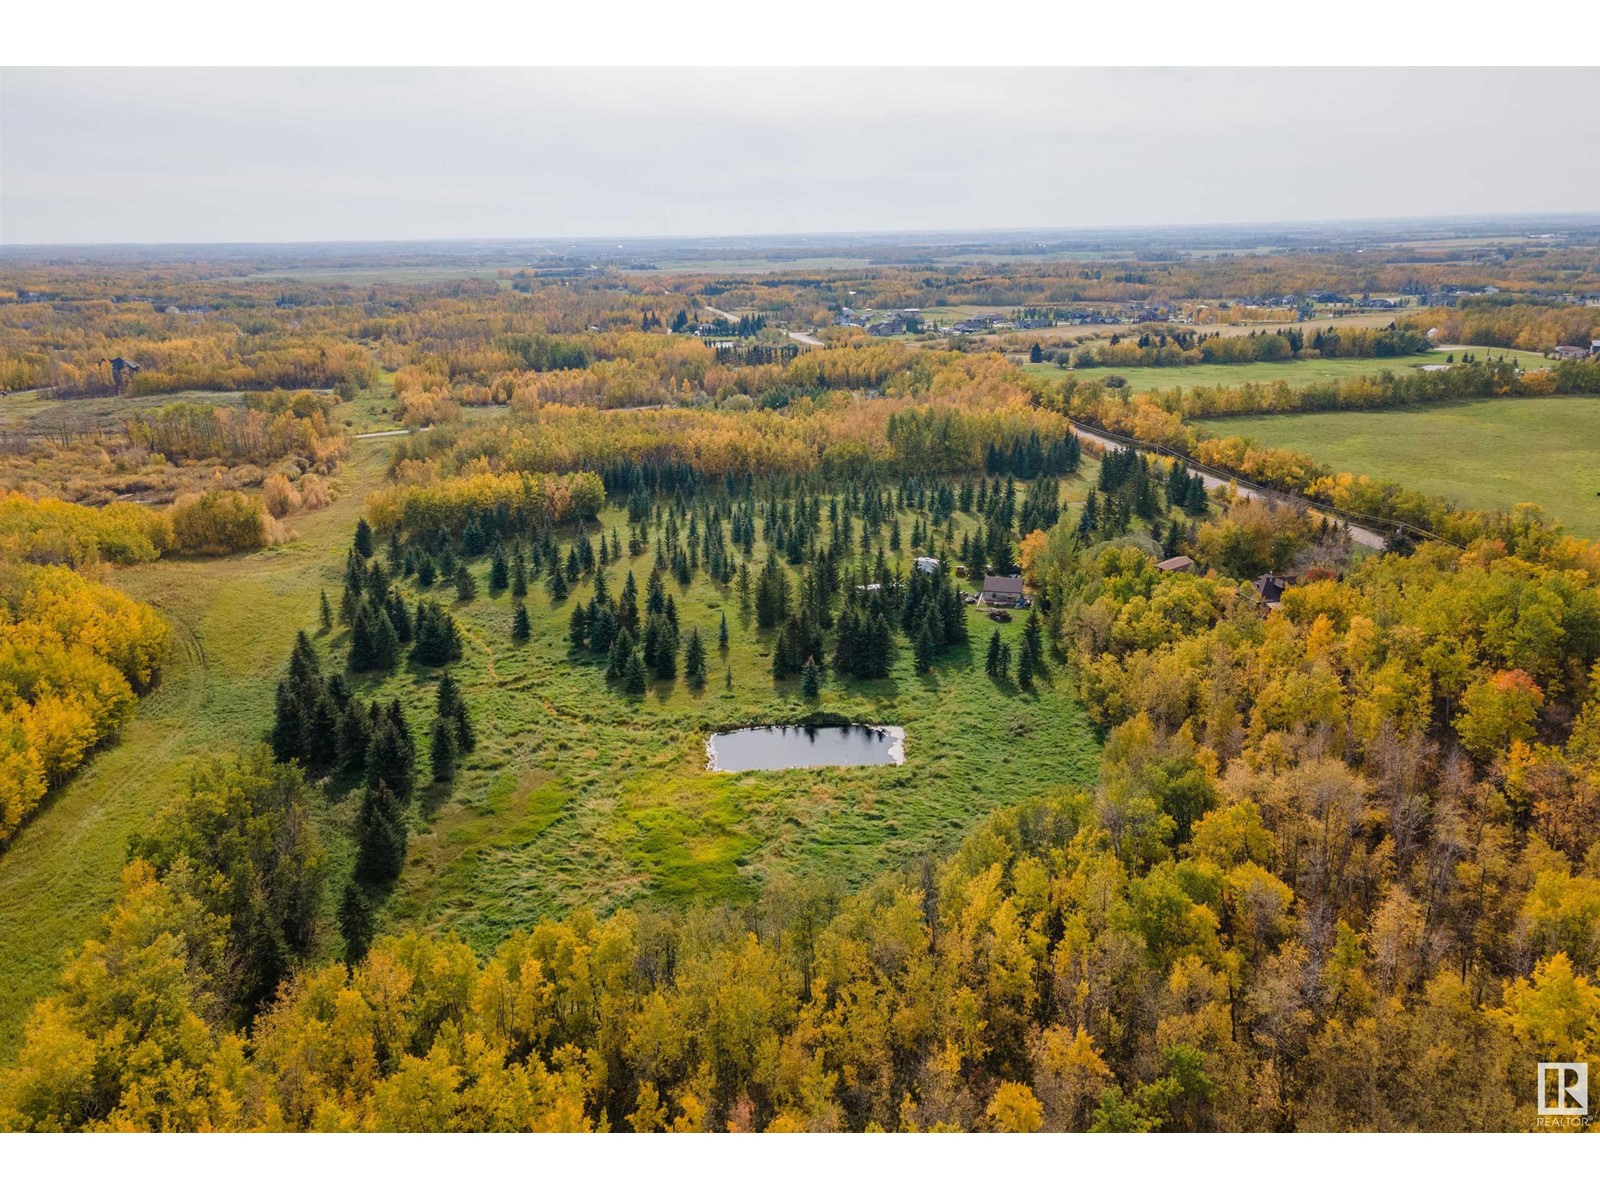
{"x": 1349, "y": 320}
{"x": 743, "y": 266}
{"x": 1084, "y": 337}
{"x": 1483, "y": 454}
{"x": 1295, "y": 371}
{"x": 41, "y": 413}
{"x": 577, "y": 795}
{"x": 397, "y": 273}
{"x": 233, "y": 620}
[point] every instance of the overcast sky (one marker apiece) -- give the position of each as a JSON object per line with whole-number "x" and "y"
{"x": 192, "y": 155}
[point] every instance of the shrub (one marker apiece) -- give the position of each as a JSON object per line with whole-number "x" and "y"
{"x": 220, "y": 523}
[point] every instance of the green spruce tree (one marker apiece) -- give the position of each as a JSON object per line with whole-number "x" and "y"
{"x": 634, "y": 679}
{"x": 811, "y": 680}
{"x": 381, "y": 836}
{"x": 357, "y": 922}
{"x": 442, "y": 748}
{"x": 694, "y": 660}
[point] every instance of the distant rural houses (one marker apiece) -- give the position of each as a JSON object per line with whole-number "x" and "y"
{"x": 982, "y": 323}
{"x": 1574, "y": 353}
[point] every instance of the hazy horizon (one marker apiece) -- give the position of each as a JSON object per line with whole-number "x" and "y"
{"x": 864, "y": 236}
{"x": 284, "y": 156}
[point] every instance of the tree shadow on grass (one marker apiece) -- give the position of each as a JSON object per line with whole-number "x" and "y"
{"x": 433, "y": 795}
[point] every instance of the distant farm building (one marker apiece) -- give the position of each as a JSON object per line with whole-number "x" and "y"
{"x": 1005, "y": 590}
{"x": 928, "y": 566}
{"x": 1181, "y": 562}
{"x": 121, "y": 368}
{"x": 1571, "y": 352}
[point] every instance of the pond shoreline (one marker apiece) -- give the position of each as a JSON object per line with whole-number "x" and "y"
{"x": 798, "y": 746}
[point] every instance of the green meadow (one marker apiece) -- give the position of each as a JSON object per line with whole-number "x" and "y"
{"x": 1299, "y": 371}
{"x": 580, "y": 795}
{"x": 1482, "y": 454}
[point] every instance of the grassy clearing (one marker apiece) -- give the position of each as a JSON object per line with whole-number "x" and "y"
{"x": 39, "y": 412}
{"x": 1484, "y": 454}
{"x": 1299, "y": 371}
{"x": 580, "y": 795}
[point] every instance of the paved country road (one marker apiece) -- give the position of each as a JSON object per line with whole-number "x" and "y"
{"x": 1358, "y": 533}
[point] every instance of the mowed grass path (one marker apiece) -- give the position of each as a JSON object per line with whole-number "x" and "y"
{"x": 1299, "y": 372}
{"x": 1484, "y": 454}
{"x": 233, "y": 623}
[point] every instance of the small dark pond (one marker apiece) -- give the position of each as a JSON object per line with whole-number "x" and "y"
{"x": 777, "y": 747}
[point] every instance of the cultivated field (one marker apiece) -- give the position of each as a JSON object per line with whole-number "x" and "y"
{"x": 1296, "y": 371}
{"x": 1486, "y": 454}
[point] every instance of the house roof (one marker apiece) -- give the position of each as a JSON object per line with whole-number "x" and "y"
{"x": 1181, "y": 562}
{"x": 1272, "y": 586}
{"x": 1003, "y": 584}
